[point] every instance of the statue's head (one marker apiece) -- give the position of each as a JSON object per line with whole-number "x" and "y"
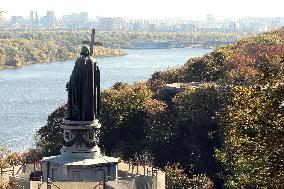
{"x": 85, "y": 51}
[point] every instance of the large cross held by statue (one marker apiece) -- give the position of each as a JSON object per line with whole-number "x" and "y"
{"x": 84, "y": 85}
{"x": 92, "y": 43}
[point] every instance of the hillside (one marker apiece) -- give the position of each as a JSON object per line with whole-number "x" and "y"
{"x": 232, "y": 130}
{"x": 254, "y": 60}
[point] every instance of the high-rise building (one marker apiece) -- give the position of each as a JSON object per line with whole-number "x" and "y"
{"x": 50, "y": 19}
{"x": 31, "y": 16}
{"x": 33, "y": 19}
{"x": 210, "y": 21}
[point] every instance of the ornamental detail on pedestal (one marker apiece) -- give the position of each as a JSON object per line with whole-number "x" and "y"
{"x": 90, "y": 140}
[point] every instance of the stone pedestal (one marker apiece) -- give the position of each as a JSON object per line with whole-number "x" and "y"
{"x": 80, "y": 158}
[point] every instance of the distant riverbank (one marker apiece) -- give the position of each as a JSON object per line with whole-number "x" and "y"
{"x": 21, "y": 47}
{"x": 19, "y": 61}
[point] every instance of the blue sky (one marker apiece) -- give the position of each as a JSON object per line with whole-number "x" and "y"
{"x": 149, "y": 9}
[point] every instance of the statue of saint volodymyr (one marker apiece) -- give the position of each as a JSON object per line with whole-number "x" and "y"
{"x": 84, "y": 88}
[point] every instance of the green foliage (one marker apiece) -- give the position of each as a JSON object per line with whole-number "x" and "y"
{"x": 267, "y": 39}
{"x": 201, "y": 181}
{"x": 123, "y": 117}
{"x": 160, "y": 130}
{"x": 124, "y": 113}
{"x": 269, "y": 69}
{"x": 169, "y": 76}
{"x": 253, "y": 145}
{"x": 198, "y": 132}
{"x": 190, "y": 133}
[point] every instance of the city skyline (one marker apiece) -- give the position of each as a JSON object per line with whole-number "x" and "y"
{"x": 182, "y": 9}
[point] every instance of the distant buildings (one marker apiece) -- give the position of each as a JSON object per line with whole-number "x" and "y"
{"x": 50, "y": 19}
{"x": 75, "y": 20}
{"x": 81, "y": 20}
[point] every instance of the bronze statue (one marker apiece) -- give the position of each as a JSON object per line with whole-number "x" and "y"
{"x": 84, "y": 88}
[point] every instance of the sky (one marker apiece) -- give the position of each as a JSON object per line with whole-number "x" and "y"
{"x": 148, "y": 9}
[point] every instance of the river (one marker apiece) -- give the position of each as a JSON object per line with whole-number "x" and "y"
{"x": 29, "y": 94}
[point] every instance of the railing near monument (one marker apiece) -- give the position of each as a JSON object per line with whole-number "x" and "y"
{"x": 146, "y": 182}
{"x": 66, "y": 185}
{"x": 136, "y": 168}
{"x": 132, "y": 167}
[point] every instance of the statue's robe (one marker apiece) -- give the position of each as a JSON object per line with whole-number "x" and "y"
{"x": 83, "y": 90}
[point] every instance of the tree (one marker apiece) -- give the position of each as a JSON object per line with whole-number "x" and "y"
{"x": 184, "y": 130}
{"x": 123, "y": 118}
{"x": 160, "y": 130}
{"x": 198, "y": 132}
{"x": 252, "y": 152}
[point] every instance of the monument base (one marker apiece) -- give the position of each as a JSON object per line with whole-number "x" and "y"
{"x": 80, "y": 158}
{"x": 59, "y": 168}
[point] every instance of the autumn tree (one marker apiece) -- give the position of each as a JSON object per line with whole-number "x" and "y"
{"x": 123, "y": 118}
{"x": 252, "y": 152}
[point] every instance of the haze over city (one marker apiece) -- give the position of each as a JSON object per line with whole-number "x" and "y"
{"x": 148, "y": 9}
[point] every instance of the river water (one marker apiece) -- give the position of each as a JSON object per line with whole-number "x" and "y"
{"x": 29, "y": 94}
